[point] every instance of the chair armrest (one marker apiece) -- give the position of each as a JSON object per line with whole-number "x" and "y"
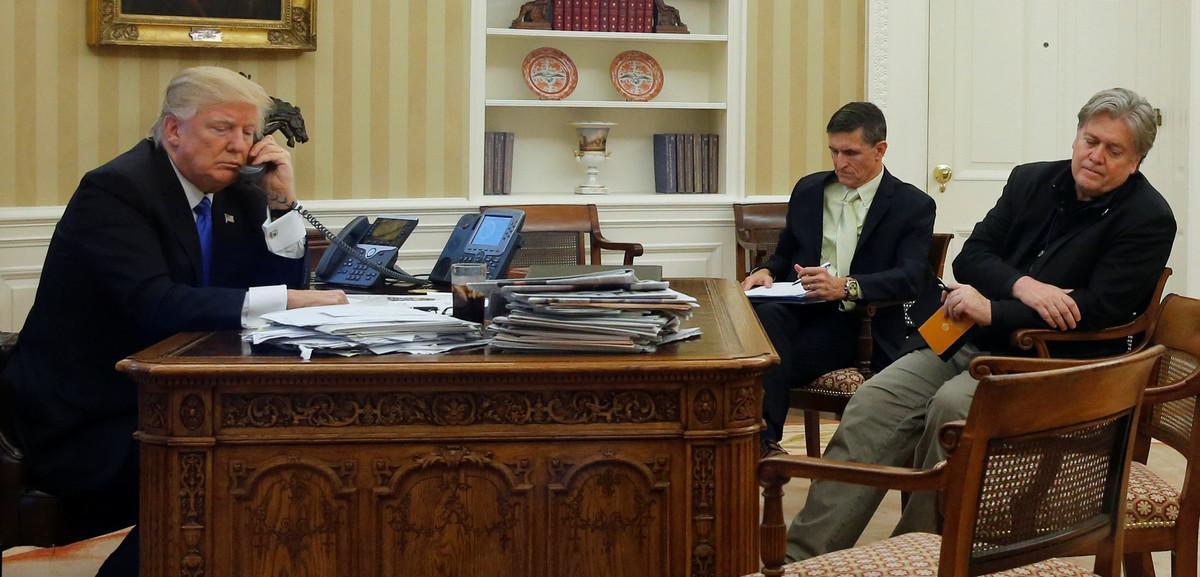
{"x": 631, "y": 249}
{"x": 774, "y": 469}
{"x": 1037, "y": 339}
{"x": 985, "y": 365}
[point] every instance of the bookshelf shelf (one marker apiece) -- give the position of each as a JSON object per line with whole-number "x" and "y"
{"x": 498, "y": 33}
{"x": 703, "y": 93}
{"x": 653, "y": 104}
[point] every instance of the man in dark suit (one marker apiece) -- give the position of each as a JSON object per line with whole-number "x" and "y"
{"x": 161, "y": 239}
{"x": 872, "y": 231}
{"x": 1071, "y": 244}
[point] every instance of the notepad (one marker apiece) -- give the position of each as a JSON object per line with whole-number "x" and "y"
{"x": 941, "y": 332}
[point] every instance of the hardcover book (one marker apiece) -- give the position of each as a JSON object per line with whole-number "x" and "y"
{"x": 664, "y": 163}
{"x": 489, "y": 165}
{"x": 509, "y": 142}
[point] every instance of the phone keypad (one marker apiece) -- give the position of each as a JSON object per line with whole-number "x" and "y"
{"x": 356, "y": 273}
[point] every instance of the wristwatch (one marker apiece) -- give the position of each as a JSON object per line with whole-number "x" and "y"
{"x": 853, "y": 292}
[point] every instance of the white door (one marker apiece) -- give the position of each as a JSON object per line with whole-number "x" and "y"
{"x": 1006, "y": 80}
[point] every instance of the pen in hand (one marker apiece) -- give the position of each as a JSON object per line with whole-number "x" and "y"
{"x": 824, "y": 265}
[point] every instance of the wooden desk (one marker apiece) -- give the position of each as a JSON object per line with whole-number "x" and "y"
{"x": 456, "y": 464}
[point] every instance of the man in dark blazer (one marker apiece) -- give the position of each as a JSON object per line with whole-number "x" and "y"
{"x": 132, "y": 262}
{"x": 1076, "y": 243}
{"x": 872, "y": 232}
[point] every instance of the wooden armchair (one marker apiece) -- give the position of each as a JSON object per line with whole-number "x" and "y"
{"x": 832, "y": 391}
{"x": 562, "y": 234}
{"x": 1038, "y": 340}
{"x": 27, "y": 516}
{"x": 1160, "y": 517}
{"x": 1028, "y": 478}
{"x": 756, "y": 230}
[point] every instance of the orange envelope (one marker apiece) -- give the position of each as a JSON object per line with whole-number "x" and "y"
{"x": 940, "y": 333}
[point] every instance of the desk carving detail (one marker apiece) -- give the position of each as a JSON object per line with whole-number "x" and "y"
{"x": 193, "y": 479}
{"x": 191, "y": 412}
{"x": 447, "y": 409}
{"x": 154, "y": 412}
{"x": 746, "y": 403}
{"x": 464, "y": 505}
{"x": 706, "y": 406}
{"x": 610, "y": 507}
{"x": 294, "y": 514}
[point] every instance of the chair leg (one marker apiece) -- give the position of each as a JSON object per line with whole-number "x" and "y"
{"x": 1139, "y": 564}
{"x": 812, "y": 433}
{"x": 1183, "y": 560}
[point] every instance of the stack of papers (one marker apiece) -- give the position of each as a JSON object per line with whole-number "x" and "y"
{"x": 379, "y": 327}
{"x": 601, "y": 312}
{"x": 780, "y": 291}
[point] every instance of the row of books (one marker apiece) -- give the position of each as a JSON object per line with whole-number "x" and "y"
{"x": 498, "y": 162}
{"x": 603, "y": 15}
{"x": 687, "y": 162}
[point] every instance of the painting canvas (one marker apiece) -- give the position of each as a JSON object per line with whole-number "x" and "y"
{"x": 241, "y": 9}
{"x": 268, "y": 24}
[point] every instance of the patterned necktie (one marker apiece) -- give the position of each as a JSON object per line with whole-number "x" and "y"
{"x": 204, "y": 230}
{"x": 847, "y": 232}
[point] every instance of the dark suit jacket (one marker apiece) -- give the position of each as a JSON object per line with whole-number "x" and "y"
{"x": 121, "y": 274}
{"x": 1112, "y": 260}
{"x": 891, "y": 261}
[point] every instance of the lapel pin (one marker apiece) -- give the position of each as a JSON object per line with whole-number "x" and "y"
{"x": 229, "y": 218}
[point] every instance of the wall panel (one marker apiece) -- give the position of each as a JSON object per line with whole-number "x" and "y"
{"x": 66, "y": 107}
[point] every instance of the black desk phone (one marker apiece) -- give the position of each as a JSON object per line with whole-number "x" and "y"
{"x": 375, "y": 243}
{"x": 491, "y": 237}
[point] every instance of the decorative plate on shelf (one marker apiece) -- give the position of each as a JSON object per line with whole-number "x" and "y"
{"x": 636, "y": 75}
{"x": 550, "y": 74}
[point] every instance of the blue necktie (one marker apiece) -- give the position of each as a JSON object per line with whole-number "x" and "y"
{"x": 204, "y": 229}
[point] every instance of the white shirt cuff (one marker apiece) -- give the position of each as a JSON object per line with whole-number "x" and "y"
{"x": 285, "y": 236}
{"x": 261, "y": 300}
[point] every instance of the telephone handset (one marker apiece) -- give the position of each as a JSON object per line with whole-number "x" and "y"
{"x": 363, "y": 253}
{"x": 491, "y": 237}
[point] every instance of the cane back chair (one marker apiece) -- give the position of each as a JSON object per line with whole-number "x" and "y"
{"x": 1161, "y": 517}
{"x": 1028, "y": 478}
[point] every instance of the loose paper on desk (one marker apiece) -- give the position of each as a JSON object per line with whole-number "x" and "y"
{"x": 780, "y": 291}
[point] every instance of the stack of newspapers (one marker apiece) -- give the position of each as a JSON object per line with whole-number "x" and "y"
{"x": 377, "y": 327}
{"x": 601, "y": 312}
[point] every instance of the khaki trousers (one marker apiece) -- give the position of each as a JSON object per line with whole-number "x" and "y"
{"x": 893, "y": 416}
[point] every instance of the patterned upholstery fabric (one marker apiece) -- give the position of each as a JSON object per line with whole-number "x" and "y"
{"x": 1151, "y": 501}
{"x": 909, "y": 555}
{"x": 843, "y": 382}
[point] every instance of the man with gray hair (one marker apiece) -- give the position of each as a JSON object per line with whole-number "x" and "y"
{"x": 160, "y": 240}
{"x": 1071, "y": 244}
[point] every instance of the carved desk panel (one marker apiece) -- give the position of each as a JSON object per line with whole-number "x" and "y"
{"x": 256, "y": 463}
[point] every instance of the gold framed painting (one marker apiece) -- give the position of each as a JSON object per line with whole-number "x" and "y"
{"x": 267, "y": 24}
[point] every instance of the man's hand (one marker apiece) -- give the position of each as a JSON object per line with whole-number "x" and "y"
{"x": 278, "y": 181}
{"x": 761, "y": 276}
{"x": 309, "y": 298}
{"x": 819, "y": 284}
{"x": 964, "y": 302}
{"x": 1053, "y": 304}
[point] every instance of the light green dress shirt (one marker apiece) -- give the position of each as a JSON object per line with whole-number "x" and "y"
{"x": 835, "y": 193}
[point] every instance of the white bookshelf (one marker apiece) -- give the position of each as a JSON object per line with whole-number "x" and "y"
{"x": 703, "y": 92}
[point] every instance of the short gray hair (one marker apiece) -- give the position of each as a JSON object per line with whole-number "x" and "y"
{"x": 200, "y": 86}
{"x": 1124, "y": 104}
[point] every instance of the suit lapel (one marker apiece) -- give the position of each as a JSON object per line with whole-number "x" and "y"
{"x": 178, "y": 212}
{"x": 810, "y": 229}
{"x": 879, "y": 207}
